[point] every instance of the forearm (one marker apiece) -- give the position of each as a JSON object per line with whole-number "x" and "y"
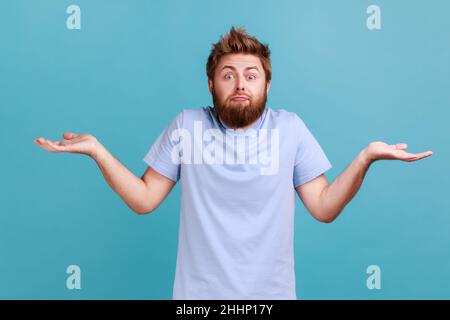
{"x": 339, "y": 193}
{"x": 128, "y": 186}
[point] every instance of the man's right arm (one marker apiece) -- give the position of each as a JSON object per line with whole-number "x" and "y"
{"x": 142, "y": 195}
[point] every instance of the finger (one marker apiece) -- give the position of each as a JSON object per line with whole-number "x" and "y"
{"x": 45, "y": 145}
{"x": 418, "y": 156}
{"x": 423, "y": 155}
{"x": 38, "y": 140}
{"x": 48, "y": 144}
{"x": 63, "y": 142}
{"x": 57, "y": 145}
{"x": 426, "y": 153}
{"x": 69, "y": 135}
{"x": 402, "y": 154}
{"x": 51, "y": 146}
{"x": 41, "y": 142}
{"x": 399, "y": 146}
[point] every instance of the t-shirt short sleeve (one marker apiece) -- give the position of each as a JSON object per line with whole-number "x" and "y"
{"x": 310, "y": 159}
{"x": 160, "y": 157}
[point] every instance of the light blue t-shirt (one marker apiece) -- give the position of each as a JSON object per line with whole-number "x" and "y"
{"x": 237, "y": 201}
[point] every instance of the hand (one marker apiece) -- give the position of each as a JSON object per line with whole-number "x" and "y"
{"x": 381, "y": 151}
{"x": 73, "y": 143}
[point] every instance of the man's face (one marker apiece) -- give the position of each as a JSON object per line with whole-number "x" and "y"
{"x": 239, "y": 89}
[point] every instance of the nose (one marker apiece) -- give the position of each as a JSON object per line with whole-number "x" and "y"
{"x": 240, "y": 84}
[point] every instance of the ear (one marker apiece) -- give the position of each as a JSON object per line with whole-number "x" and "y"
{"x": 210, "y": 85}
{"x": 268, "y": 87}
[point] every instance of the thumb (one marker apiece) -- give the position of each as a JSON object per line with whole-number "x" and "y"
{"x": 69, "y": 135}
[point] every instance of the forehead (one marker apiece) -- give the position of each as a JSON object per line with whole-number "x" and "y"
{"x": 239, "y": 61}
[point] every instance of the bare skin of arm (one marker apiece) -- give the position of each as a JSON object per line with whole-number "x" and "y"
{"x": 143, "y": 195}
{"x": 326, "y": 201}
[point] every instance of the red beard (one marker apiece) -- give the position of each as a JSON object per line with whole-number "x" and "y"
{"x": 238, "y": 114}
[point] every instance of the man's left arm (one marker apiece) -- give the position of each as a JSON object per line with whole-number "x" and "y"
{"x": 326, "y": 201}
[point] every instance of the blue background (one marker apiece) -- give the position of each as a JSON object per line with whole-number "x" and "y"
{"x": 135, "y": 64}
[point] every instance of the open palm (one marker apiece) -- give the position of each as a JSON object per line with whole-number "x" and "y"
{"x": 382, "y": 151}
{"x": 73, "y": 143}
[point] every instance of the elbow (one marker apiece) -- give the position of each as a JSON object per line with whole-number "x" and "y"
{"x": 142, "y": 211}
{"x": 327, "y": 218}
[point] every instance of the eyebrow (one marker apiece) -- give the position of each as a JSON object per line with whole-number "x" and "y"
{"x": 233, "y": 68}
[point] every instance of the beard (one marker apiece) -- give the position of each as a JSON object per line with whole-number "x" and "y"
{"x": 238, "y": 114}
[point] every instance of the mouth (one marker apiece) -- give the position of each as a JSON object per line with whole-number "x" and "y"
{"x": 239, "y": 98}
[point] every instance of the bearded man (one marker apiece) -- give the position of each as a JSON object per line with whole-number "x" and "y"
{"x": 236, "y": 219}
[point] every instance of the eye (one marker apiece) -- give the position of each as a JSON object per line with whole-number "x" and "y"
{"x": 229, "y": 76}
{"x": 251, "y": 77}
